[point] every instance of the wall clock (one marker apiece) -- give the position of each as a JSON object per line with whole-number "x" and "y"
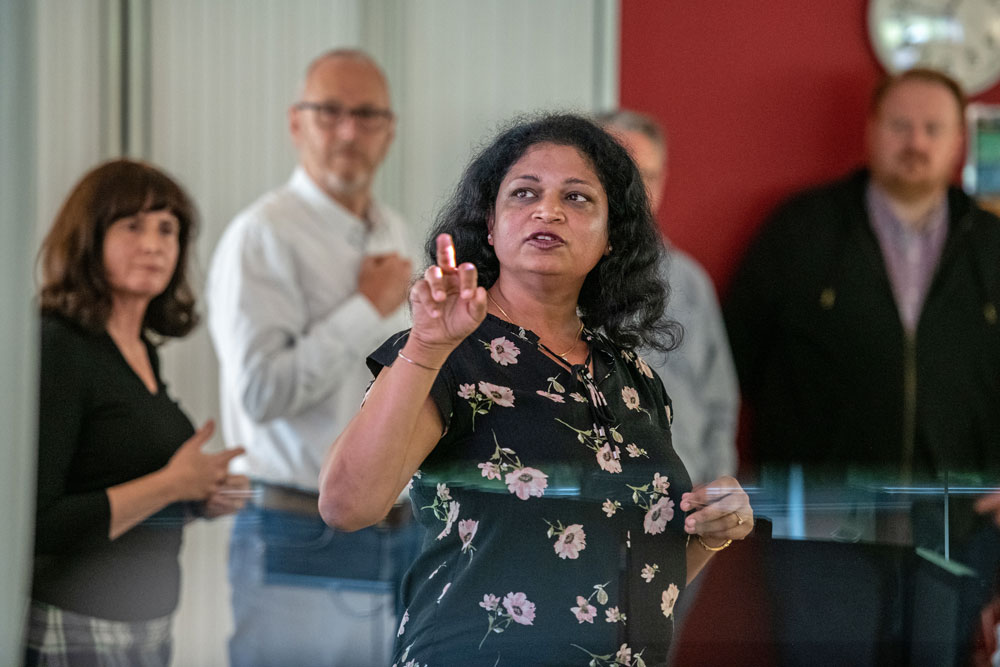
{"x": 960, "y": 37}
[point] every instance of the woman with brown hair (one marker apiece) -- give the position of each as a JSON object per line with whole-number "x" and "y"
{"x": 120, "y": 465}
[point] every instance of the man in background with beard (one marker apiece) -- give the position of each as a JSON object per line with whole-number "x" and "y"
{"x": 863, "y": 320}
{"x": 304, "y": 284}
{"x": 863, "y": 323}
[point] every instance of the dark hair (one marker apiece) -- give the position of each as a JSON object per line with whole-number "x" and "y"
{"x": 74, "y": 280}
{"x": 623, "y": 294}
{"x": 924, "y": 74}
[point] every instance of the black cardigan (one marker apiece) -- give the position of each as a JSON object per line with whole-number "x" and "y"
{"x": 823, "y": 358}
{"x": 98, "y": 427}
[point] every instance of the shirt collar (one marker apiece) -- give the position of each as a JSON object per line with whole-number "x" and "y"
{"x": 304, "y": 186}
{"x": 881, "y": 213}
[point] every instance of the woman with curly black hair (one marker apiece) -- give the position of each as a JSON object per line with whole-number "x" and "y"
{"x": 623, "y": 295}
{"x": 534, "y": 440}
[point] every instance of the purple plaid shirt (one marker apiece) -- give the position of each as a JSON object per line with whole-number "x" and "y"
{"x": 911, "y": 257}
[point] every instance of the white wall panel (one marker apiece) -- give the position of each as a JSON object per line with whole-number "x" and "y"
{"x": 466, "y": 67}
{"x": 18, "y": 327}
{"x": 77, "y": 112}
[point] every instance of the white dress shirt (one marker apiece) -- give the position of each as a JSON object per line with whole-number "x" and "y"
{"x": 699, "y": 376}
{"x": 290, "y": 329}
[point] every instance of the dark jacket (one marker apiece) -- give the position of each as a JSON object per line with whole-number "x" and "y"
{"x": 825, "y": 363}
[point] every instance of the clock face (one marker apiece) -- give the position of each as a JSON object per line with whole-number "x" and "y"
{"x": 959, "y": 37}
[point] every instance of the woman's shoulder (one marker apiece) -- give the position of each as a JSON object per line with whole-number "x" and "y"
{"x": 69, "y": 353}
{"x": 56, "y": 329}
{"x": 635, "y": 368}
{"x": 67, "y": 342}
{"x": 491, "y": 329}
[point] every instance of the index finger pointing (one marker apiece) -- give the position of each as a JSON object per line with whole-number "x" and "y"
{"x": 446, "y": 252}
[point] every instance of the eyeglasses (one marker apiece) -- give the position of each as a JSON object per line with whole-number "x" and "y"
{"x": 331, "y": 115}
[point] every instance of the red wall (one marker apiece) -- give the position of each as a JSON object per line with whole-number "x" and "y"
{"x": 759, "y": 99}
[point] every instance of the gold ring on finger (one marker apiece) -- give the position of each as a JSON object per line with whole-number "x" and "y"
{"x": 739, "y": 519}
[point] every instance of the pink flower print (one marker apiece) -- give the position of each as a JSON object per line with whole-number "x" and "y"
{"x": 624, "y": 655}
{"x": 633, "y": 450}
{"x": 442, "y": 491}
{"x": 556, "y": 398}
{"x": 490, "y": 470}
{"x": 502, "y": 396}
{"x": 466, "y": 390}
{"x": 668, "y": 599}
{"x": 643, "y": 366}
{"x": 466, "y": 531}
{"x": 402, "y": 623}
{"x": 489, "y": 602}
{"x": 578, "y": 397}
{"x": 631, "y": 398}
{"x": 660, "y": 484}
{"x": 610, "y": 507}
{"x": 612, "y": 615}
{"x": 503, "y": 351}
{"x": 526, "y": 482}
{"x": 520, "y": 609}
{"x": 649, "y": 571}
{"x": 571, "y": 542}
{"x": 609, "y": 459}
{"x": 452, "y": 515}
{"x": 584, "y": 611}
{"x": 443, "y": 591}
{"x": 658, "y": 516}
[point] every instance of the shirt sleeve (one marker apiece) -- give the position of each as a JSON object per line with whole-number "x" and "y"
{"x": 716, "y": 384}
{"x": 444, "y": 388}
{"x": 280, "y": 364}
{"x": 63, "y": 517}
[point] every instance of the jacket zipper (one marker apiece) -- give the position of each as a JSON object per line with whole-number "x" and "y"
{"x": 909, "y": 405}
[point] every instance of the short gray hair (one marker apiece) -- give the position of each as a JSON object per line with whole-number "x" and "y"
{"x": 634, "y": 121}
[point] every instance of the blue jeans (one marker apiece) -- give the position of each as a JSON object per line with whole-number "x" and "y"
{"x": 306, "y": 595}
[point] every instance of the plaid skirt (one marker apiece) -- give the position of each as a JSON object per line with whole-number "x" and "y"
{"x": 60, "y": 638}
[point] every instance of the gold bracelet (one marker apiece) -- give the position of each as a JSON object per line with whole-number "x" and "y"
{"x": 718, "y": 548}
{"x": 416, "y": 363}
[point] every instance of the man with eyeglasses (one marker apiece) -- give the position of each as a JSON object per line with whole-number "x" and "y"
{"x": 303, "y": 285}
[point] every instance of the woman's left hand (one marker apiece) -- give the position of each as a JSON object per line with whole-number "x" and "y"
{"x": 719, "y": 511}
{"x": 229, "y": 498}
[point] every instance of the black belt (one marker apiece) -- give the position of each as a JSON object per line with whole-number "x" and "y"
{"x": 306, "y": 503}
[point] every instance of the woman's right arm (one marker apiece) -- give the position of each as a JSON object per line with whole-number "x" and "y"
{"x": 190, "y": 475}
{"x": 397, "y": 427}
{"x": 64, "y": 516}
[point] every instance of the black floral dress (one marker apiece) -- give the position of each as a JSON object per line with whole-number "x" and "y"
{"x": 554, "y": 535}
